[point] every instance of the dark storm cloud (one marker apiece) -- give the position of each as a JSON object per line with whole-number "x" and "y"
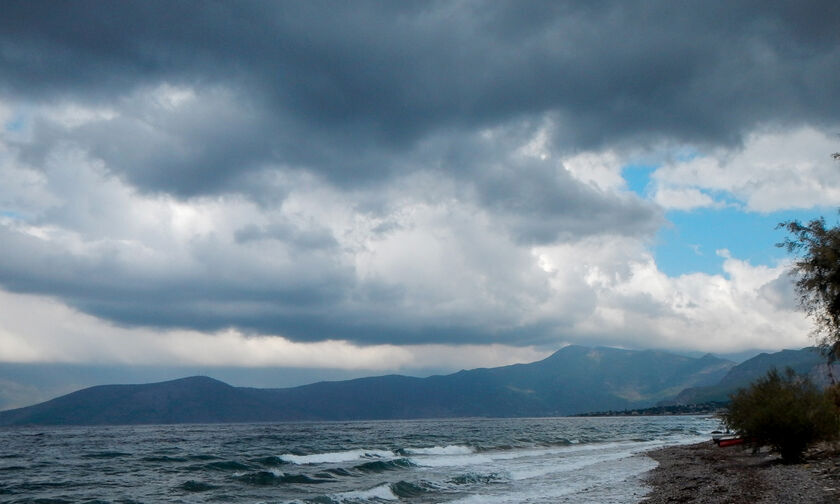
{"x": 223, "y": 290}
{"x": 286, "y": 232}
{"x": 343, "y": 88}
{"x": 198, "y": 148}
{"x": 541, "y": 204}
{"x": 308, "y": 301}
{"x": 356, "y": 93}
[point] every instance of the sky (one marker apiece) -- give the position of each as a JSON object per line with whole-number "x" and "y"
{"x": 352, "y": 188}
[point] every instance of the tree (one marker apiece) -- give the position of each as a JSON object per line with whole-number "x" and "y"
{"x": 817, "y": 271}
{"x": 787, "y": 413}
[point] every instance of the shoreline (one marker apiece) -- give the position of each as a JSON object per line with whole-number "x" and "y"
{"x": 704, "y": 473}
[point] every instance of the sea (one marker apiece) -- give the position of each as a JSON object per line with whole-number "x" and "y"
{"x": 458, "y": 461}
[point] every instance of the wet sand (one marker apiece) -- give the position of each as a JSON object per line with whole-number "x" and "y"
{"x": 705, "y": 473}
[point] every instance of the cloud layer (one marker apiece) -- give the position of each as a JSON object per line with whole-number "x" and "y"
{"x": 371, "y": 175}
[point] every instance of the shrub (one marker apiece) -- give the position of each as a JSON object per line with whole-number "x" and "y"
{"x": 833, "y": 395}
{"x": 787, "y": 413}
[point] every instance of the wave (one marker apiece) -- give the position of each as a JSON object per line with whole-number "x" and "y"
{"x": 472, "y": 478}
{"x": 227, "y": 465}
{"x": 196, "y": 486}
{"x": 452, "y": 460}
{"x": 461, "y": 456}
{"x": 262, "y": 478}
{"x": 382, "y": 492}
{"x": 566, "y": 452}
{"x": 55, "y": 500}
{"x": 377, "y": 493}
{"x": 535, "y": 470}
{"x": 163, "y": 459}
{"x": 335, "y": 457}
{"x": 203, "y": 457}
{"x": 595, "y": 477}
{"x": 339, "y": 471}
{"x": 12, "y": 468}
{"x": 385, "y": 465}
{"x": 500, "y": 461}
{"x": 362, "y": 454}
{"x": 105, "y": 455}
{"x": 270, "y": 461}
{"x": 440, "y": 450}
{"x": 407, "y": 490}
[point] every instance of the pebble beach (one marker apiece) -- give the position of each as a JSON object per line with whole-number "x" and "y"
{"x": 705, "y": 473}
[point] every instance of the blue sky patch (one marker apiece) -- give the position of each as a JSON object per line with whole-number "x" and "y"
{"x": 638, "y": 178}
{"x": 690, "y": 242}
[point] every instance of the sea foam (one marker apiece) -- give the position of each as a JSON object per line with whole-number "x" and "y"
{"x": 335, "y": 457}
{"x": 381, "y": 492}
{"x": 441, "y": 450}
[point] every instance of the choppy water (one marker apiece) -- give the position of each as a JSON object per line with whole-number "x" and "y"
{"x": 552, "y": 460}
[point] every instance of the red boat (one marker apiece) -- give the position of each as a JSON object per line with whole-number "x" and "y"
{"x": 726, "y": 438}
{"x": 730, "y": 441}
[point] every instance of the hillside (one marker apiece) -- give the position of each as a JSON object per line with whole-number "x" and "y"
{"x": 573, "y": 380}
{"x": 807, "y": 361}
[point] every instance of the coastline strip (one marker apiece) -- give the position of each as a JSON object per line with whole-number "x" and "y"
{"x": 704, "y": 473}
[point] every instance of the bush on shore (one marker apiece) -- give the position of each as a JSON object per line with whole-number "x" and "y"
{"x": 786, "y": 412}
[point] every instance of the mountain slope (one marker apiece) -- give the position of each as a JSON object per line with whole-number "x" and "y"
{"x": 573, "y": 380}
{"x": 807, "y": 361}
{"x": 195, "y": 399}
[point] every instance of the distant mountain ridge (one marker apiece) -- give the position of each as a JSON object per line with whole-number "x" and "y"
{"x": 807, "y": 361}
{"x": 573, "y": 380}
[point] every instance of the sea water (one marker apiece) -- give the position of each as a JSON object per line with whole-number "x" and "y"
{"x": 544, "y": 460}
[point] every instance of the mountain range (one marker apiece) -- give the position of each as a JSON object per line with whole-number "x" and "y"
{"x": 573, "y": 380}
{"x": 807, "y": 362}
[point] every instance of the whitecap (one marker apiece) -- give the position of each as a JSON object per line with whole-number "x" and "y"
{"x": 451, "y": 460}
{"x": 381, "y": 492}
{"x": 336, "y": 457}
{"x": 441, "y": 450}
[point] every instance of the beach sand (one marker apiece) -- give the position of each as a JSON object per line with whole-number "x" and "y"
{"x": 705, "y": 473}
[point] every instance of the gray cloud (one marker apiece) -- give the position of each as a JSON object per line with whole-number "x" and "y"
{"x": 306, "y": 239}
{"x": 345, "y": 89}
{"x": 356, "y": 98}
{"x": 220, "y": 287}
{"x": 542, "y": 204}
{"x": 311, "y": 299}
{"x": 781, "y": 293}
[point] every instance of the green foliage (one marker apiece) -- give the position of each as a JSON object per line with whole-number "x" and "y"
{"x": 833, "y": 394}
{"x": 787, "y": 413}
{"x": 817, "y": 271}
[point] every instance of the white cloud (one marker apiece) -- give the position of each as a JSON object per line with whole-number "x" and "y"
{"x": 73, "y": 115}
{"x": 700, "y": 311}
{"x": 634, "y": 304}
{"x": 630, "y": 304}
{"x": 443, "y": 257}
{"x": 427, "y": 267}
{"x": 197, "y": 206}
{"x": 683, "y": 199}
{"x": 602, "y": 169}
{"x": 773, "y": 170}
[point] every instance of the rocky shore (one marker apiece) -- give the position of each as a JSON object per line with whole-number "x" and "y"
{"x": 704, "y": 473}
